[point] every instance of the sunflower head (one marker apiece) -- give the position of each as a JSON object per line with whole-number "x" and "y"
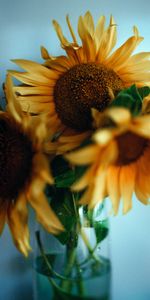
{"x": 24, "y": 172}
{"x": 89, "y": 76}
{"x": 118, "y": 161}
{"x": 120, "y": 125}
{"x": 81, "y": 88}
{"x": 16, "y": 154}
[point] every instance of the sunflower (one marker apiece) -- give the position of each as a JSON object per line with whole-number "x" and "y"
{"x": 89, "y": 76}
{"x": 24, "y": 172}
{"x": 119, "y": 161}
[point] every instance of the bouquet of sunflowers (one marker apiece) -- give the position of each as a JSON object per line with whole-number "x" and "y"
{"x": 76, "y": 130}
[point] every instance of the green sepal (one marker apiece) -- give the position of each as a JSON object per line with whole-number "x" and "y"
{"x": 131, "y": 98}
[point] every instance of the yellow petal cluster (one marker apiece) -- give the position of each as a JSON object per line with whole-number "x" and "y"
{"x": 118, "y": 161}
{"x": 36, "y": 95}
{"x": 15, "y": 211}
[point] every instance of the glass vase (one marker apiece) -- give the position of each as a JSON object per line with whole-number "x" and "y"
{"x": 76, "y": 267}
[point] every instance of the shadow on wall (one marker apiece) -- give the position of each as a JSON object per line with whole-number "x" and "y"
{"x": 16, "y": 273}
{"x": 22, "y": 292}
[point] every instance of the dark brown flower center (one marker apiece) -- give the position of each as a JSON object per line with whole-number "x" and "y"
{"x": 81, "y": 88}
{"x": 15, "y": 159}
{"x": 131, "y": 147}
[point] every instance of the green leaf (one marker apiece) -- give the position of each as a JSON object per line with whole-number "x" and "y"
{"x": 65, "y": 180}
{"x": 101, "y": 229}
{"x": 69, "y": 177}
{"x": 61, "y": 200}
{"x": 59, "y": 165}
{"x": 64, "y": 175}
{"x": 130, "y": 98}
{"x": 144, "y": 91}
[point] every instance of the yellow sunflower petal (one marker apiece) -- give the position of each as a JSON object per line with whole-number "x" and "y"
{"x": 35, "y": 68}
{"x": 142, "y": 190}
{"x": 57, "y": 66}
{"x": 122, "y": 54}
{"x": 113, "y": 187}
{"x": 127, "y": 185}
{"x": 103, "y": 137}
{"x": 139, "y": 57}
{"x": 109, "y": 154}
{"x": 135, "y": 77}
{"x": 108, "y": 41}
{"x": 67, "y": 147}
{"x": 41, "y": 168}
{"x": 13, "y": 106}
{"x": 84, "y": 181}
{"x": 74, "y": 137}
{"x": 141, "y": 126}
{"x": 50, "y": 147}
{"x": 145, "y": 159}
{"x": 142, "y": 187}
{"x": 63, "y": 40}
{"x": 34, "y": 79}
{"x": 99, "y": 31}
{"x": 39, "y": 99}
{"x": 71, "y": 29}
{"x": 44, "y": 53}
{"x": 39, "y": 133}
{"x": 99, "y": 187}
{"x": 42, "y": 91}
{"x": 45, "y": 214}
{"x": 87, "y": 196}
{"x": 89, "y": 23}
{"x": 84, "y": 156}
{"x": 60, "y": 63}
{"x": 119, "y": 115}
{"x": 38, "y": 185}
{"x": 17, "y": 221}
{"x": 141, "y": 67}
{"x": 34, "y": 107}
{"x": 87, "y": 41}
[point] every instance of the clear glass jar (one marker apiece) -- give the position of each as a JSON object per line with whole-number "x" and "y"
{"x": 78, "y": 268}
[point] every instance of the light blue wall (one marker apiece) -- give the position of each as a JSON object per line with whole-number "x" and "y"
{"x": 24, "y": 27}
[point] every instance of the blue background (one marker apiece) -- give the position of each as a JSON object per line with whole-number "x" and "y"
{"x": 24, "y": 27}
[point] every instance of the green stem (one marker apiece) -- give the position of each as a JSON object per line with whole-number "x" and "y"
{"x": 66, "y": 283}
{"x": 51, "y": 271}
{"x": 71, "y": 251}
{"x": 51, "y": 281}
{"x": 83, "y": 235}
{"x": 87, "y": 243}
{"x": 90, "y": 256}
{"x": 80, "y": 284}
{"x": 75, "y": 207}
